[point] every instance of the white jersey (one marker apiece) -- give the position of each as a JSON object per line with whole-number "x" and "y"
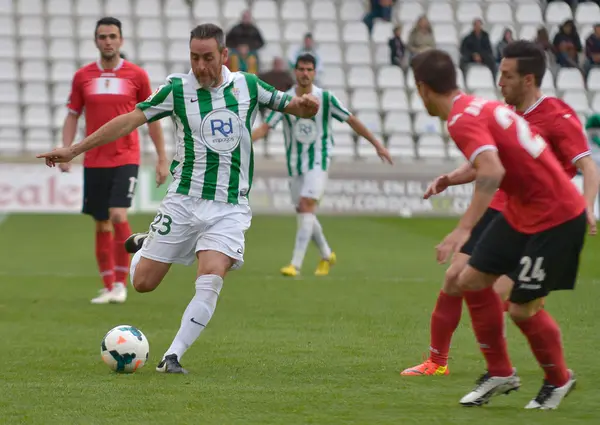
{"x": 309, "y": 142}
{"x": 213, "y": 158}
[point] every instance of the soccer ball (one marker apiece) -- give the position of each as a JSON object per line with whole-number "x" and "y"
{"x": 124, "y": 349}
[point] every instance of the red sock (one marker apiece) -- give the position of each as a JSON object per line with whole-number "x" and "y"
{"x": 487, "y": 315}
{"x": 543, "y": 335}
{"x": 105, "y": 259}
{"x": 444, "y": 321}
{"x": 122, "y": 232}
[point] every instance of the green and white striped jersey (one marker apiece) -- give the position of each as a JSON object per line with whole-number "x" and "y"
{"x": 309, "y": 142}
{"x": 213, "y": 158}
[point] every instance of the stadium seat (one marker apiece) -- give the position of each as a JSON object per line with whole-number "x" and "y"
{"x": 331, "y": 53}
{"x": 431, "y": 146}
{"x": 596, "y": 102}
{"x": 118, "y": 8}
{"x": 361, "y": 77}
{"x": 382, "y": 32}
{"x": 63, "y": 49}
{"x": 409, "y": 11}
{"x": 7, "y": 26}
{"x": 394, "y": 100}
{"x": 397, "y": 123}
{"x": 488, "y": 94}
{"x": 323, "y": 10}
{"x": 351, "y": 10}
{"x": 29, "y": 7}
{"x": 87, "y": 51}
{"x": 293, "y": 10}
{"x": 341, "y": 127}
{"x": 177, "y": 50}
{"x": 62, "y": 71}
{"x": 382, "y": 55}
{"x": 157, "y": 72}
{"x": 10, "y": 140}
{"x": 294, "y": 31}
{"x": 371, "y": 120}
{"x": 34, "y": 71}
{"x": 206, "y": 10}
{"x": 10, "y": 116}
{"x": 344, "y": 146}
{"x": 270, "y": 30}
{"x": 401, "y": 146}
{"x": 547, "y": 81}
{"x": 355, "y": 32}
{"x": 38, "y": 140}
{"x": 8, "y": 70}
{"x": 325, "y": 31}
{"x": 30, "y": 26}
{"x": 426, "y": 124}
{"x": 151, "y": 50}
{"x": 59, "y": 8}
{"x": 593, "y": 80}
{"x": 577, "y": 100}
{"x": 333, "y": 76}
{"x": 147, "y": 9}
{"x": 358, "y": 54}
{"x": 149, "y": 29}
{"x": 265, "y": 9}
{"x": 454, "y": 152}
{"x": 416, "y": 103}
{"x": 6, "y": 7}
{"x": 36, "y": 116}
{"x": 569, "y": 79}
{"x": 479, "y": 77}
{"x": 7, "y": 48}
{"x": 529, "y": 13}
{"x": 528, "y": 32}
{"x": 60, "y": 94}
{"x": 390, "y": 77}
{"x": 440, "y": 12}
{"x": 557, "y": 12}
{"x": 365, "y": 149}
{"x": 35, "y": 94}
{"x": 90, "y": 8}
{"x": 365, "y": 99}
{"x": 9, "y": 93}
{"x": 60, "y": 26}
{"x": 587, "y": 13}
{"x": 445, "y": 34}
{"x": 467, "y": 12}
{"x": 33, "y": 48}
{"x": 232, "y": 9}
{"x": 176, "y": 29}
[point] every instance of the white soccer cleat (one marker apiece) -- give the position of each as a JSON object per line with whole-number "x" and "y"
{"x": 489, "y": 386}
{"x": 105, "y": 297}
{"x": 550, "y": 396}
{"x": 119, "y": 293}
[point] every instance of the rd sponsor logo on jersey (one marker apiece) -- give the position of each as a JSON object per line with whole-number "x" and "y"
{"x": 305, "y": 131}
{"x": 222, "y": 131}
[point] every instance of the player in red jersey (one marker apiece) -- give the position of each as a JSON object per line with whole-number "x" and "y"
{"x": 106, "y": 89}
{"x": 522, "y": 70}
{"x": 537, "y": 239}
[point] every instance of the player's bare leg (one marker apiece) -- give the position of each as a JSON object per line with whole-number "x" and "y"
{"x": 105, "y": 259}
{"x": 121, "y": 231}
{"x": 544, "y": 337}
{"x": 309, "y": 228}
{"x": 212, "y": 267}
{"x": 444, "y": 321}
{"x": 487, "y": 315}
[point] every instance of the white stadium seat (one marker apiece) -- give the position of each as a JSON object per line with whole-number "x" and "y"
{"x": 440, "y": 12}
{"x": 322, "y": 10}
{"x": 293, "y": 10}
{"x": 365, "y": 99}
{"x": 36, "y": 116}
{"x": 232, "y": 9}
{"x": 333, "y": 76}
{"x": 326, "y": 32}
{"x": 593, "y": 79}
{"x": 390, "y": 77}
{"x": 382, "y": 32}
{"x": 9, "y": 93}
{"x": 118, "y": 8}
{"x": 426, "y": 124}
{"x": 8, "y": 70}
{"x": 358, "y": 54}
{"x": 29, "y": 7}
{"x": 569, "y": 79}
{"x": 397, "y": 122}
{"x": 467, "y": 12}
{"x": 294, "y": 31}
{"x": 265, "y": 9}
{"x": 147, "y": 9}
{"x": 409, "y": 11}
{"x": 577, "y": 100}
{"x": 394, "y": 100}
{"x": 351, "y": 10}
{"x": 10, "y": 116}
{"x": 431, "y": 146}
{"x": 6, "y": 7}
{"x": 355, "y": 32}
{"x": 206, "y": 9}
{"x": 91, "y": 8}
{"x": 557, "y": 12}
{"x": 587, "y": 13}
{"x": 529, "y": 13}
{"x": 61, "y": 26}
{"x": 401, "y": 146}
{"x": 361, "y": 77}
{"x": 371, "y": 120}
{"x": 479, "y": 77}
{"x": 34, "y": 70}
{"x": 331, "y": 53}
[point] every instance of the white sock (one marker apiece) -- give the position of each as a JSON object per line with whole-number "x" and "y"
{"x": 134, "y": 262}
{"x": 303, "y": 235}
{"x": 197, "y": 314}
{"x": 319, "y": 238}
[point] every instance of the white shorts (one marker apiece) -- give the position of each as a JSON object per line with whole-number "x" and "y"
{"x": 185, "y": 225}
{"x": 310, "y": 185}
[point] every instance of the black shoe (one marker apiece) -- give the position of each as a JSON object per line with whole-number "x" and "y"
{"x": 134, "y": 242}
{"x": 170, "y": 364}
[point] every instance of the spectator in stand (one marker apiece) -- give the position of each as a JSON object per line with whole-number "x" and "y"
{"x": 307, "y": 47}
{"x": 477, "y": 49}
{"x": 421, "y": 37}
{"x": 568, "y": 45}
{"x": 398, "y": 49}
{"x": 245, "y": 33}
{"x": 279, "y": 76}
{"x": 381, "y": 9}
{"x": 506, "y": 38}
{"x": 592, "y": 50}
{"x": 542, "y": 39}
{"x": 242, "y": 59}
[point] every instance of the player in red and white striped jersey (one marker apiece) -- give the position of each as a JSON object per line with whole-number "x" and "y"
{"x": 103, "y": 90}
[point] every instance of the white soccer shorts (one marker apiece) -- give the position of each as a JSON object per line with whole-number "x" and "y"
{"x": 309, "y": 185}
{"x": 185, "y": 225}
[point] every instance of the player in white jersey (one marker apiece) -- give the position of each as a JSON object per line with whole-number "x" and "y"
{"x": 205, "y": 213}
{"x": 309, "y": 148}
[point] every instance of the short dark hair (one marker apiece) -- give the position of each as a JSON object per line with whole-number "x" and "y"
{"x": 531, "y": 59}
{"x": 306, "y": 58}
{"x": 208, "y": 31}
{"x": 435, "y": 69}
{"x": 109, "y": 20}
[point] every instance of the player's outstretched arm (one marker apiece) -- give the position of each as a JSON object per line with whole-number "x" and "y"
{"x": 69, "y": 130}
{"x": 114, "y": 129}
{"x": 360, "y": 129}
{"x": 462, "y": 175}
{"x": 591, "y": 186}
{"x": 260, "y": 132}
{"x": 305, "y": 106}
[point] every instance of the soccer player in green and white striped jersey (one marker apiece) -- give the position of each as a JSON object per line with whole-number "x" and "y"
{"x": 205, "y": 213}
{"x": 309, "y": 147}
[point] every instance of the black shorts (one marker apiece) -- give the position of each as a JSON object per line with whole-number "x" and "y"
{"x": 539, "y": 263}
{"x": 483, "y": 223}
{"x": 105, "y": 188}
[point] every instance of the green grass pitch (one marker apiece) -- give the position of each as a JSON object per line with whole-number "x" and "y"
{"x": 278, "y": 351}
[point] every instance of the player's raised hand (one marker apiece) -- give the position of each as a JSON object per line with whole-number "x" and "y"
{"x": 451, "y": 244}
{"x": 162, "y": 171}
{"x": 591, "y": 219}
{"x": 440, "y": 184}
{"x": 384, "y": 154}
{"x": 57, "y": 156}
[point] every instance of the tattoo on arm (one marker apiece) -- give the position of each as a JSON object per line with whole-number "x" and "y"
{"x": 487, "y": 184}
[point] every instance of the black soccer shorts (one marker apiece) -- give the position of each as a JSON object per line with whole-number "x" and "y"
{"x": 483, "y": 223}
{"x": 105, "y": 188}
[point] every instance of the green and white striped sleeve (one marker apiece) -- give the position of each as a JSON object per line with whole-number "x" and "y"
{"x": 338, "y": 111}
{"x": 273, "y": 119}
{"x": 159, "y": 104}
{"x": 271, "y": 98}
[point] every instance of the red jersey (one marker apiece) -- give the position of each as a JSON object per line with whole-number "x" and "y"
{"x": 559, "y": 125}
{"x": 540, "y": 194}
{"x": 105, "y": 94}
